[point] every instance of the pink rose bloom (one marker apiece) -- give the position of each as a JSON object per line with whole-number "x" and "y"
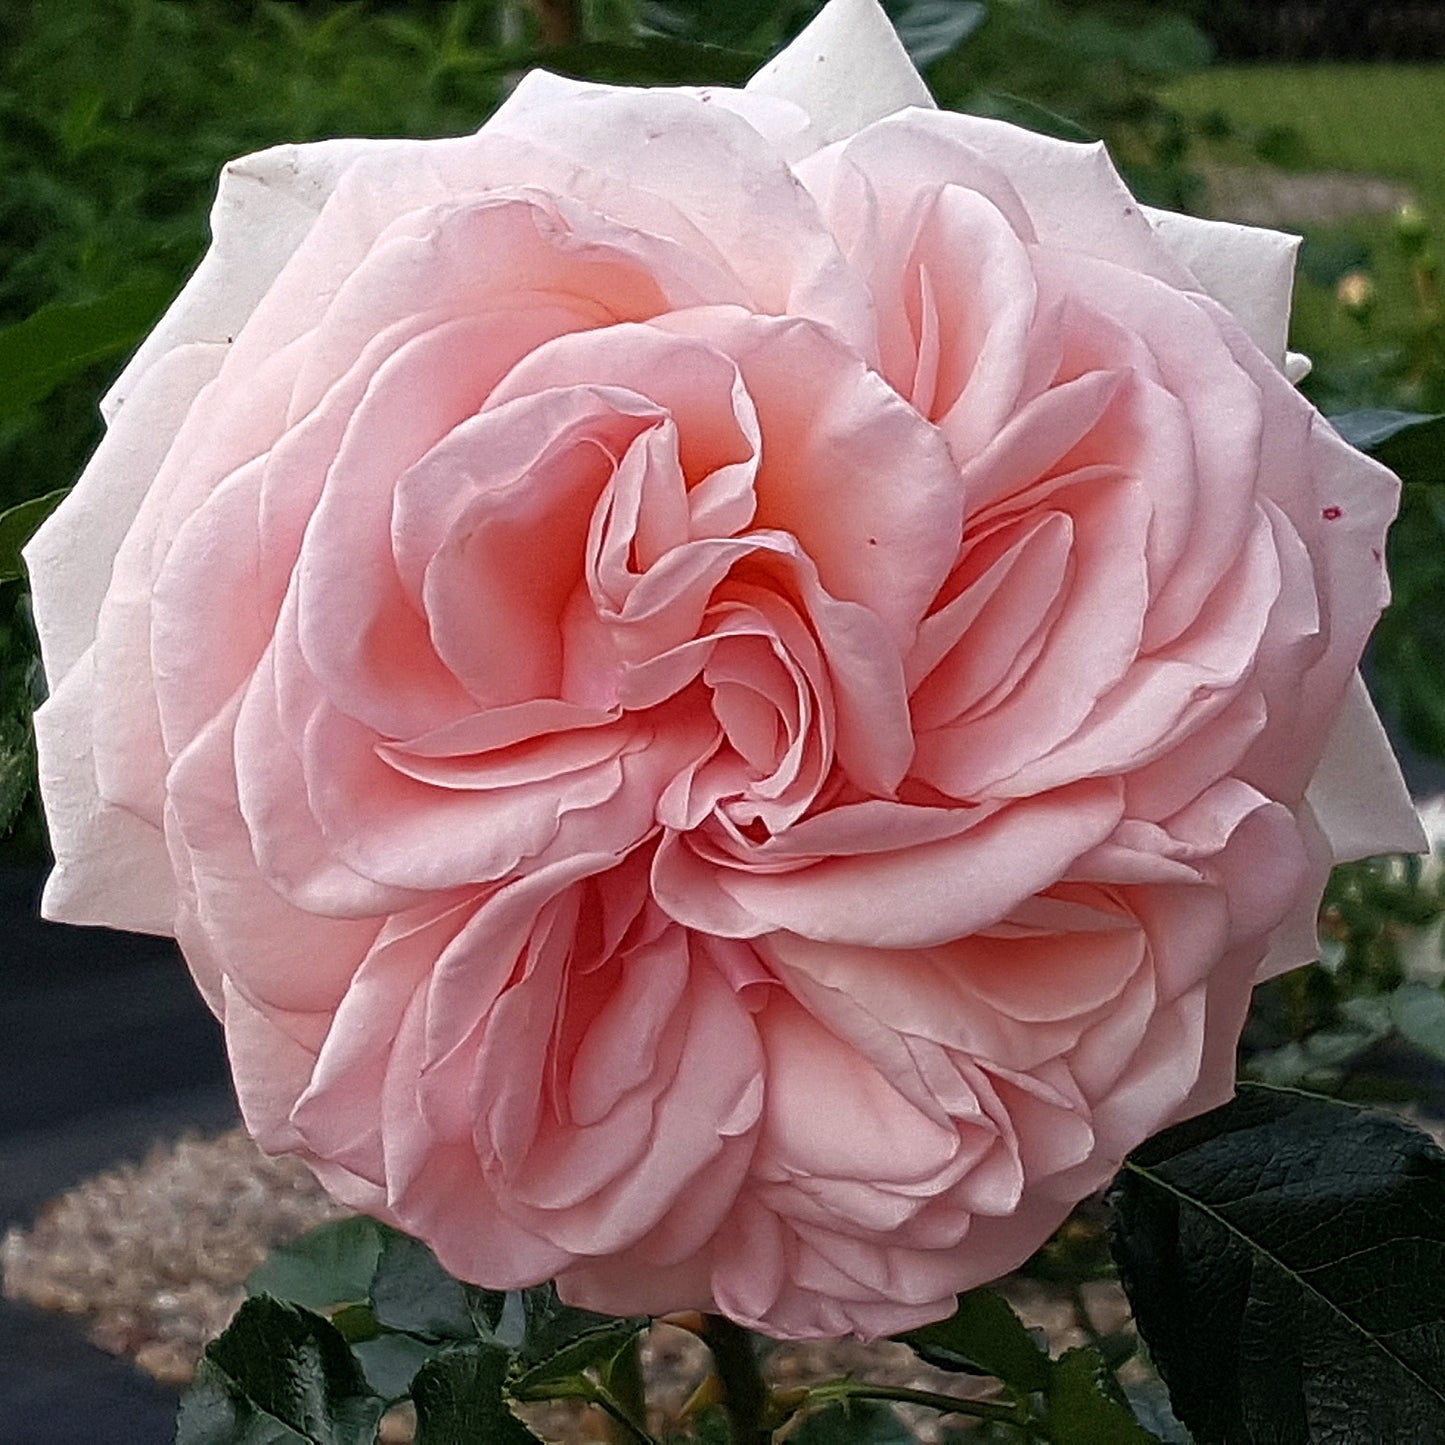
{"x": 726, "y": 691}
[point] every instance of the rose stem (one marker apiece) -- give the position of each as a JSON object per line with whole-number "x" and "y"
{"x": 745, "y": 1393}
{"x": 990, "y": 1410}
{"x": 621, "y": 1427}
{"x": 627, "y": 1387}
{"x": 561, "y": 21}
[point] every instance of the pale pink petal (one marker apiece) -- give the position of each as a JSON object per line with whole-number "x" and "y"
{"x": 935, "y": 891}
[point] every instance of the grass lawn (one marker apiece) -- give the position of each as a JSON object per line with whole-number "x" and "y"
{"x": 1383, "y": 120}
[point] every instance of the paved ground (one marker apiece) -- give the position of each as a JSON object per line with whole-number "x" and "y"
{"x": 104, "y": 1048}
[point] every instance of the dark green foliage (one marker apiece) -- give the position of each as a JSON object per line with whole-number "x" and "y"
{"x": 17, "y": 526}
{"x": 459, "y": 1397}
{"x": 933, "y": 29}
{"x": 364, "y": 1317}
{"x": 65, "y": 340}
{"x": 20, "y": 691}
{"x": 1085, "y": 1403}
{"x": 333, "y": 1265}
{"x": 412, "y": 1292}
{"x": 1075, "y": 1398}
{"x": 552, "y": 1325}
{"x": 984, "y": 1336}
{"x": 1086, "y": 71}
{"x": 1339, "y": 1027}
{"x": 594, "y": 1349}
{"x": 1285, "y": 1259}
{"x": 1409, "y": 644}
{"x": 278, "y": 1374}
{"x": 390, "y": 1362}
{"x": 853, "y": 1422}
{"x": 1411, "y": 444}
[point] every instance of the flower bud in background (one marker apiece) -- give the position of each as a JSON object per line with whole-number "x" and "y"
{"x": 1412, "y": 229}
{"x": 1356, "y": 295}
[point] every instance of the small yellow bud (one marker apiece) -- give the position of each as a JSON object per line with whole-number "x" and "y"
{"x": 1356, "y": 294}
{"x": 1412, "y": 229}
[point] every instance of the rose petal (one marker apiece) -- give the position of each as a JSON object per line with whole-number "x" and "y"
{"x": 1249, "y": 270}
{"x": 847, "y": 69}
{"x": 1358, "y": 794}
{"x": 111, "y": 867}
{"x": 265, "y": 205}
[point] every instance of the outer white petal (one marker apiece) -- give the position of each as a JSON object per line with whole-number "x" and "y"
{"x": 1358, "y": 794}
{"x": 1072, "y": 190}
{"x": 69, "y": 559}
{"x": 536, "y": 89}
{"x": 110, "y": 866}
{"x": 265, "y": 204}
{"x": 1249, "y": 270}
{"x": 1355, "y": 807}
{"x": 1297, "y": 366}
{"x": 847, "y": 69}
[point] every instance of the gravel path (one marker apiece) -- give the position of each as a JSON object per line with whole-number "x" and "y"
{"x": 151, "y": 1259}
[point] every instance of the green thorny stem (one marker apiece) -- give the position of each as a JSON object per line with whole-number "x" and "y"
{"x": 754, "y": 1412}
{"x": 624, "y": 1430}
{"x": 991, "y": 1410}
{"x": 745, "y": 1396}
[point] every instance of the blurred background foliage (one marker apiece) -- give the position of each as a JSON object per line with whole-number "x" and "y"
{"x": 115, "y": 116}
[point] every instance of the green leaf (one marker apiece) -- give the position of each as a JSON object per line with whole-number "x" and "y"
{"x": 17, "y": 759}
{"x": 459, "y": 1400}
{"x": 390, "y": 1362}
{"x": 597, "y": 1348}
{"x": 211, "y": 1415}
{"x": 552, "y": 1326}
{"x": 1411, "y": 444}
{"x": 333, "y": 1265}
{"x": 412, "y": 1292}
{"x": 930, "y": 29}
{"x": 1086, "y": 1406}
{"x": 660, "y": 61}
{"x": 61, "y": 340}
{"x": 278, "y": 1374}
{"x": 984, "y": 1335}
{"x": 560, "y": 1342}
{"x": 853, "y": 1422}
{"x": 1000, "y": 105}
{"x": 1285, "y": 1259}
{"x": 18, "y": 525}
{"x": 20, "y": 692}
{"x": 355, "y": 1323}
{"x": 704, "y": 20}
